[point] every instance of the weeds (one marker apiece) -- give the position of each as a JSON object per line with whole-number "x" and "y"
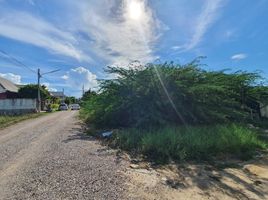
{"x": 192, "y": 143}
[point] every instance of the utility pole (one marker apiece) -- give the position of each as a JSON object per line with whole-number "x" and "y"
{"x": 83, "y": 90}
{"x": 63, "y": 96}
{"x": 39, "y": 76}
{"x": 38, "y": 94}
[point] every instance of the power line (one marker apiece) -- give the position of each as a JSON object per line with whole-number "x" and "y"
{"x": 14, "y": 60}
{"x": 46, "y": 79}
{"x": 11, "y": 58}
{"x": 39, "y": 75}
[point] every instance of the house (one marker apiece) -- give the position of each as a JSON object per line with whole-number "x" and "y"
{"x": 8, "y": 89}
{"x": 10, "y": 104}
{"x": 59, "y": 95}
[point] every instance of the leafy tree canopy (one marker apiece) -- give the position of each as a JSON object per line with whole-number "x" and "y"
{"x": 70, "y": 100}
{"x": 88, "y": 94}
{"x": 31, "y": 91}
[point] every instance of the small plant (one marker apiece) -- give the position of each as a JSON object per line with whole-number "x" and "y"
{"x": 54, "y": 106}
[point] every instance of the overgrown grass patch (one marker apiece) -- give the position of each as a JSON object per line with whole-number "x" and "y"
{"x": 189, "y": 143}
{"x": 9, "y": 120}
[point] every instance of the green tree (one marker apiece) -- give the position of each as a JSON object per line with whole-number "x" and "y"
{"x": 70, "y": 100}
{"x": 55, "y": 100}
{"x": 31, "y": 91}
{"x": 88, "y": 94}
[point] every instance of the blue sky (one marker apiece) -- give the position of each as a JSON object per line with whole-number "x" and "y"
{"x": 82, "y": 37}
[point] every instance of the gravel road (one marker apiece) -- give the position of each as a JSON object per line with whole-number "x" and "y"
{"x": 50, "y": 158}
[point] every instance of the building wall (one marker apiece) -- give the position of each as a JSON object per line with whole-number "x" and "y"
{"x": 17, "y": 106}
{"x": 3, "y": 95}
{"x": 264, "y": 110}
{"x": 8, "y": 95}
{"x": 2, "y": 90}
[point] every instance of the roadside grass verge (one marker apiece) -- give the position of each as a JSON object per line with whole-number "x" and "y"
{"x": 191, "y": 143}
{"x": 10, "y": 120}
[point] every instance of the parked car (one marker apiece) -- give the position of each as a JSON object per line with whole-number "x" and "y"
{"x": 63, "y": 106}
{"x": 75, "y": 107}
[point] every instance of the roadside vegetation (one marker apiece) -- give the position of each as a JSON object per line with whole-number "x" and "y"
{"x": 177, "y": 112}
{"x": 10, "y": 120}
{"x": 189, "y": 143}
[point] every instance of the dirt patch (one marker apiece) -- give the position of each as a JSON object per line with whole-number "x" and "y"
{"x": 236, "y": 180}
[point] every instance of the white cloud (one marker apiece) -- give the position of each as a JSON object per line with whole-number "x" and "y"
{"x": 78, "y": 77}
{"x": 239, "y": 56}
{"x": 113, "y": 31}
{"x": 48, "y": 85}
{"x": 207, "y": 17}
{"x": 30, "y": 29}
{"x": 175, "y": 48}
{"x": 119, "y": 33}
{"x": 12, "y": 77}
{"x": 65, "y": 77}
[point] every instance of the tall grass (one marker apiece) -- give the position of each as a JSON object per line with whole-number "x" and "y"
{"x": 192, "y": 143}
{"x": 9, "y": 120}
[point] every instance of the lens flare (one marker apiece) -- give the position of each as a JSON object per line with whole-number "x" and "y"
{"x": 135, "y": 10}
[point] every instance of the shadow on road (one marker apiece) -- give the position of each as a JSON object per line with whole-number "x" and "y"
{"x": 234, "y": 185}
{"x": 202, "y": 180}
{"x": 78, "y": 133}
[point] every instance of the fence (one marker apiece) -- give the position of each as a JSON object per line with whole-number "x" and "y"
{"x": 17, "y": 106}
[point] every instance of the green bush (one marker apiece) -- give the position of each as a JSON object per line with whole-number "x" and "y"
{"x": 189, "y": 143}
{"x": 169, "y": 94}
{"x": 185, "y": 99}
{"x": 55, "y": 106}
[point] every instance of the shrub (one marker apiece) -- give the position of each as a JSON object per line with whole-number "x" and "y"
{"x": 55, "y": 106}
{"x": 169, "y": 112}
{"x": 169, "y": 94}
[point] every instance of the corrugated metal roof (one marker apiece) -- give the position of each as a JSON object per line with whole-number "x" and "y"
{"x": 8, "y": 85}
{"x": 57, "y": 94}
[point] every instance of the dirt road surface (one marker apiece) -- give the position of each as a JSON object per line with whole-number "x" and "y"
{"x": 50, "y": 158}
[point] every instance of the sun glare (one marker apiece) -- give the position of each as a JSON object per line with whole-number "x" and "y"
{"x": 135, "y": 10}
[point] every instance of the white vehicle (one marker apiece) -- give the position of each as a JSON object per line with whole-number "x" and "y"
{"x": 63, "y": 106}
{"x": 75, "y": 107}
